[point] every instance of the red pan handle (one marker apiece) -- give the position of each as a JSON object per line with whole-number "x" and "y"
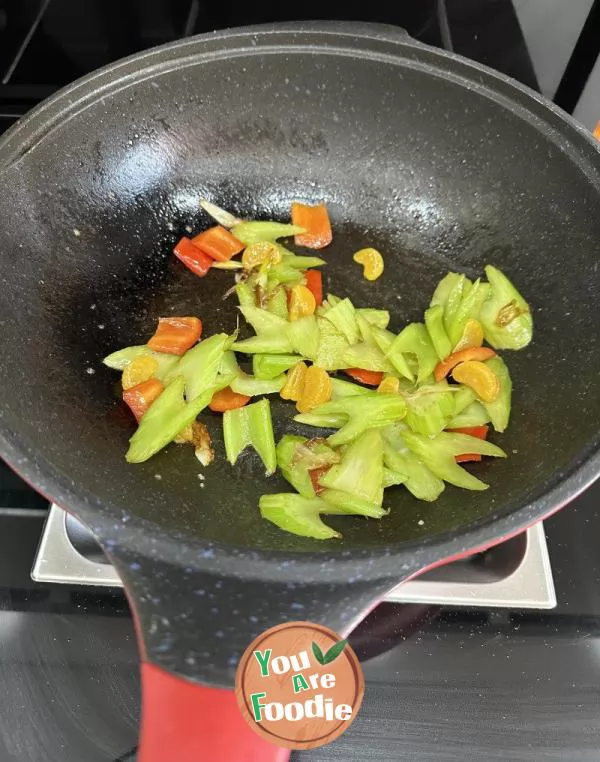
{"x": 188, "y": 722}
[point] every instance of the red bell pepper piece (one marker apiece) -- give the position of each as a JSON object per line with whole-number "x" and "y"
{"x": 315, "y": 220}
{"x": 218, "y": 243}
{"x": 193, "y": 257}
{"x": 176, "y": 335}
{"x": 314, "y": 283}
{"x": 368, "y": 377}
{"x": 140, "y": 397}
{"x": 472, "y": 353}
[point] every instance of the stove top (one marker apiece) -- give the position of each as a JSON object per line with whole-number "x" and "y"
{"x": 474, "y": 661}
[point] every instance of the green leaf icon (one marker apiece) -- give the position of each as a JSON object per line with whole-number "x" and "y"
{"x": 335, "y": 650}
{"x": 318, "y": 653}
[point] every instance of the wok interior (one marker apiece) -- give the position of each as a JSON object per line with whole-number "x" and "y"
{"x": 435, "y": 176}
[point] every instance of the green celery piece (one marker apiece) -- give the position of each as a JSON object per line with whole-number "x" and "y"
{"x": 392, "y": 478}
{"x": 384, "y": 340}
{"x": 444, "y": 288}
{"x": 332, "y": 346}
{"x": 263, "y": 322}
{"x": 505, "y": 315}
{"x": 277, "y": 302}
{"x": 250, "y": 425}
{"x": 418, "y": 479}
{"x": 163, "y": 421}
{"x": 414, "y": 339}
{"x": 463, "y": 397}
{"x": 266, "y": 367}
{"x": 229, "y": 365}
{"x": 438, "y": 454}
{"x": 367, "y": 357}
{"x": 499, "y": 409}
{"x": 453, "y": 302}
{"x": 360, "y": 471}
{"x": 255, "y": 232}
{"x": 470, "y": 307}
{"x": 121, "y": 359}
{"x": 340, "y": 389}
{"x": 296, "y": 514}
{"x": 272, "y": 343}
{"x": 284, "y": 273}
{"x": 199, "y": 366}
{"x": 253, "y": 387}
{"x": 474, "y": 414}
{"x": 343, "y": 317}
{"x": 430, "y": 409}
{"x": 332, "y": 299}
{"x": 378, "y": 318}
{"x": 364, "y": 328}
{"x": 296, "y": 456}
{"x": 296, "y": 475}
{"x": 349, "y": 505}
{"x": 364, "y": 411}
{"x": 322, "y": 421}
{"x": 245, "y": 294}
{"x": 434, "y": 322}
{"x": 303, "y": 335}
{"x": 301, "y": 263}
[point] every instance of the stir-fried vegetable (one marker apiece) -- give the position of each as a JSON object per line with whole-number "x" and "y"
{"x": 425, "y": 398}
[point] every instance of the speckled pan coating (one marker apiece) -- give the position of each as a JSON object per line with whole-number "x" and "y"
{"x": 437, "y": 162}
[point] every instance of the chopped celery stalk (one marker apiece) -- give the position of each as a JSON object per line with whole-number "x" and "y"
{"x": 344, "y": 503}
{"x": 418, "y": 479}
{"x": 430, "y": 409}
{"x": 199, "y": 366}
{"x": 332, "y": 346}
{"x": 252, "y": 386}
{"x": 463, "y": 397}
{"x": 360, "y": 471}
{"x": 414, "y": 339}
{"x": 392, "y": 478}
{"x": 222, "y": 216}
{"x": 378, "y": 318}
{"x": 297, "y": 456}
{"x": 245, "y": 294}
{"x": 302, "y": 263}
{"x": 469, "y": 306}
{"x": 444, "y": 287}
{"x": 250, "y": 425}
{"x": 230, "y": 264}
{"x": 343, "y": 317}
{"x": 455, "y": 297}
{"x": 505, "y": 315}
{"x": 439, "y": 453}
{"x": 270, "y": 366}
{"x": 296, "y": 475}
{"x": 332, "y": 299}
{"x": 254, "y": 232}
{"x": 296, "y": 514}
{"x": 228, "y": 365}
{"x": 499, "y": 409}
{"x": 266, "y": 344}
{"x": 474, "y": 414}
{"x": 364, "y": 328}
{"x": 284, "y": 273}
{"x": 434, "y": 321}
{"x": 340, "y": 389}
{"x": 322, "y": 421}
{"x": 367, "y": 357}
{"x": 364, "y": 411}
{"x": 277, "y": 302}
{"x": 303, "y": 335}
{"x": 163, "y": 421}
{"x": 263, "y": 322}
{"x": 120, "y": 360}
{"x": 384, "y": 340}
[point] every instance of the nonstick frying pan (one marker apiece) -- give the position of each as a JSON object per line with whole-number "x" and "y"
{"x": 438, "y": 162}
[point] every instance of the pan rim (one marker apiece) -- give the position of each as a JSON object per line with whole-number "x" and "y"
{"x": 337, "y": 562}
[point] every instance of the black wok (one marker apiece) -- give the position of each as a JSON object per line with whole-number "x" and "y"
{"x": 436, "y": 161}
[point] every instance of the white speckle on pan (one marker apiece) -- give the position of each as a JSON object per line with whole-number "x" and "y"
{"x": 189, "y": 228}
{"x": 101, "y": 326}
{"x": 202, "y": 485}
{"x": 420, "y": 522}
{"x": 170, "y": 226}
{"x": 158, "y": 476}
{"x": 76, "y": 232}
{"x": 201, "y": 477}
{"x": 90, "y": 371}
{"x": 92, "y": 306}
